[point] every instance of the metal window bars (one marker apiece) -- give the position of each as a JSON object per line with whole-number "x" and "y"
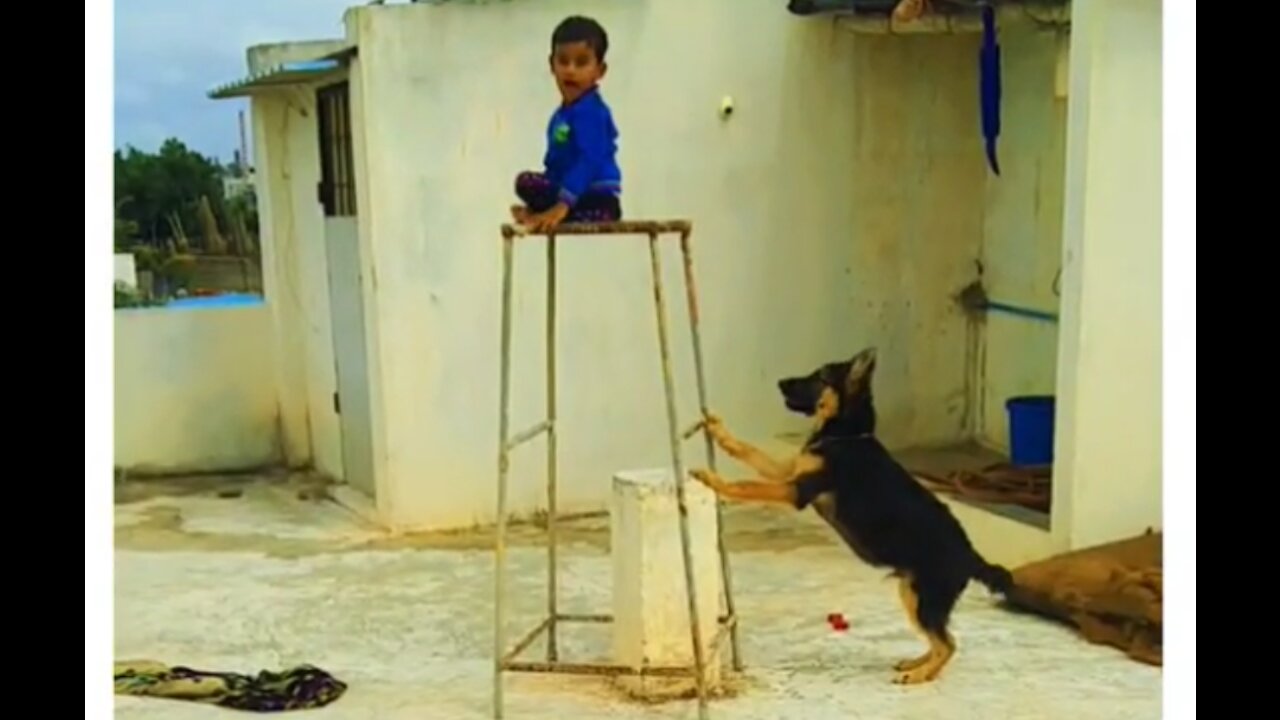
{"x": 505, "y": 659}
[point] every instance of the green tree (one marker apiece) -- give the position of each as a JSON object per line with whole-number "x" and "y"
{"x": 126, "y": 231}
{"x": 242, "y": 223}
{"x": 160, "y": 194}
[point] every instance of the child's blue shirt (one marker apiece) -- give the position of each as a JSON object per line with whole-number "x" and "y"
{"x": 582, "y": 146}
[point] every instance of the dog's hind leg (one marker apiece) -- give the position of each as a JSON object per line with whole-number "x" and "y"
{"x": 911, "y": 604}
{"x": 928, "y": 609}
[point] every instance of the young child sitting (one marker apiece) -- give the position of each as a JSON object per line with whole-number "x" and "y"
{"x": 581, "y": 181}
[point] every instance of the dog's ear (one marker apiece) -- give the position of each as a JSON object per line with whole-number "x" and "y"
{"x": 861, "y": 368}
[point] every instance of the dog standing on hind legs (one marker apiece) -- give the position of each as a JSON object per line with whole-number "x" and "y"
{"x": 887, "y": 518}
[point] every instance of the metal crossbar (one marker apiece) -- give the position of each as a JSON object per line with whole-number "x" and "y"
{"x": 505, "y": 660}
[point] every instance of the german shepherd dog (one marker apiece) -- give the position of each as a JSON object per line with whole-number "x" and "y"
{"x": 884, "y": 515}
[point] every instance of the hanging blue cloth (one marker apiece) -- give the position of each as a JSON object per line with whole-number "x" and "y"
{"x": 989, "y": 85}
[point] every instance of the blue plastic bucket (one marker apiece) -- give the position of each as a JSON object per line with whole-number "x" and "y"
{"x": 1030, "y": 429}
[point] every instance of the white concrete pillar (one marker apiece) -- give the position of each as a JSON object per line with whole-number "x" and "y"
{"x": 269, "y": 115}
{"x": 1108, "y": 479}
{"x": 650, "y": 608}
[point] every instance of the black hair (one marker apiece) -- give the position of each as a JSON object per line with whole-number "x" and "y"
{"x": 577, "y": 29}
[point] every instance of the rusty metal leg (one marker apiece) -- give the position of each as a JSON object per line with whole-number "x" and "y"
{"x": 691, "y": 293}
{"x": 500, "y": 542}
{"x": 553, "y": 651}
{"x": 677, "y": 465}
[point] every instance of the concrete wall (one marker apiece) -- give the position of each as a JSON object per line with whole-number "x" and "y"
{"x": 840, "y": 207}
{"x": 192, "y": 390}
{"x": 296, "y": 284}
{"x": 1109, "y": 379}
{"x": 295, "y": 278}
{"x": 1022, "y": 227}
{"x": 124, "y": 269}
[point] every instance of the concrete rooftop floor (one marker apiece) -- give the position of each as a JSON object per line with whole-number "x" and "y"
{"x": 266, "y": 579}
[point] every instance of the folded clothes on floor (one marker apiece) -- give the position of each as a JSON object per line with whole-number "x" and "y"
{"x": 296, "y": 688}
{"x": 1113, "y": 593}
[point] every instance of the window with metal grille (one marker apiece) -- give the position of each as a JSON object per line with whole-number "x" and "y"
{"x": 337, "y": 170}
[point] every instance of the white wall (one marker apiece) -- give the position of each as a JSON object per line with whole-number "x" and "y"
{"x": 840, "y": 207}
{"x": 1109, "y": 413}
{"x": 124, "y": 267}
{"x": 295, "y": 278}
{"x": 192, "y": 390}
{"x": 1022, "y": 227}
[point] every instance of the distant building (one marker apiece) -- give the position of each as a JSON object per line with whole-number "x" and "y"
{"x": 234, "y": 185}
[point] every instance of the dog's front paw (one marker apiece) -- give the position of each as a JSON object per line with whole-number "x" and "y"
{"x": 909, "y": 10}
{"x": 720, "y": 434}
{"x": 706, "y": 477}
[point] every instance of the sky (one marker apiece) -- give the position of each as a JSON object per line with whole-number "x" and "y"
{"x": 170, "y": 53}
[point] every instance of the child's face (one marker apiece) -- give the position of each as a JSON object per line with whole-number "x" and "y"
{"x": 576, "y": 69}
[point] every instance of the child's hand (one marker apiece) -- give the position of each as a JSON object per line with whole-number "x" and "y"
{"x": 545, "y": 221}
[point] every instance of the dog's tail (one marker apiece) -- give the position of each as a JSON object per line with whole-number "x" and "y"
{"x": 997, "y": 578}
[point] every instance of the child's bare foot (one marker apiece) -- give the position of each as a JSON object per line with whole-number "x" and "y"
{"x": 519, "y": 213}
